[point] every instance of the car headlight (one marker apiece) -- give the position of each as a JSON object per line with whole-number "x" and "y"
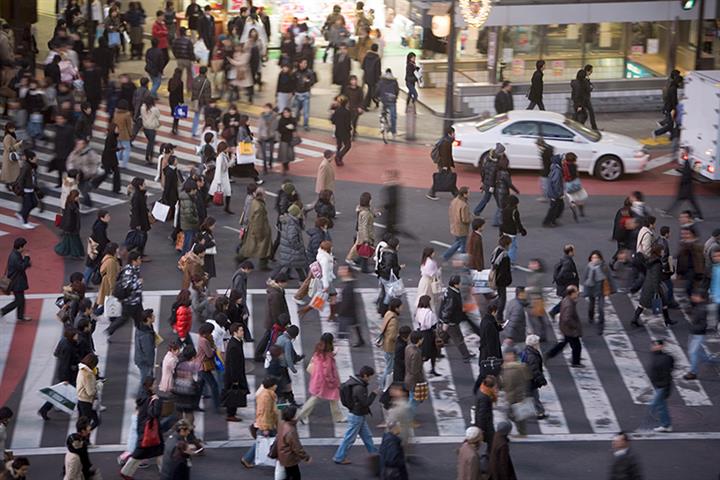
{"x": 641, "y": 153}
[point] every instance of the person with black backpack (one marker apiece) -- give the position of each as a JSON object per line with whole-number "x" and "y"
{"x": 128, "y": 289}
{"x": 355, "y": 397}
{"x": 451, "y": 314}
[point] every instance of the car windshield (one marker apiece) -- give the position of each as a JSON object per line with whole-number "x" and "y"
{"x": 586, "y": 132}
{"x": 491, "y": 122}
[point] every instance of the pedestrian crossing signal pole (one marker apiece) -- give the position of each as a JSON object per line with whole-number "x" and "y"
{"x": 450, "y": 83}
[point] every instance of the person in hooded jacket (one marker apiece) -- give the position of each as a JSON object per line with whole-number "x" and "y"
{"x": 145, "y": 344}
{"x": 291, "y": 251}
{"x": 501, "y": 465}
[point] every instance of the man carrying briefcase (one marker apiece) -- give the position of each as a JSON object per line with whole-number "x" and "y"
{"x": 444, "y": 180}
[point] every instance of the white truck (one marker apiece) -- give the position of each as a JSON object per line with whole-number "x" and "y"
{"x": 700, "y": 124}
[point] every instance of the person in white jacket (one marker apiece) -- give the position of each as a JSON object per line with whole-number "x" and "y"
{"x": 150, "y": 116}
{"x": 646, "y": 236}
{"x": 221, "y": 180}
{"x": 324, "y": 282}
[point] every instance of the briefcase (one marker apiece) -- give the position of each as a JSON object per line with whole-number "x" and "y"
{"x": 444, "y": 181}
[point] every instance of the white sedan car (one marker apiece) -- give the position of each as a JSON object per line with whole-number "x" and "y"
{"x": 606, "y": 155}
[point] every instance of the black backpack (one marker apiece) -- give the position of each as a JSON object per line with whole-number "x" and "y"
{"x": 121, "y": 292}
{"x": 346, "y": 396}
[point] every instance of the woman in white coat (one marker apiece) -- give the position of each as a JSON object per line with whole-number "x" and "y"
{"x": 243, "y": 76}
{"x": 221, "y": 180}
{"x": 429, "y": 277}
{"x": 324, "y": 282}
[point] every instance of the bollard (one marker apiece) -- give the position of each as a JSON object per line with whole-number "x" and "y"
{"x": 410, "y": 120}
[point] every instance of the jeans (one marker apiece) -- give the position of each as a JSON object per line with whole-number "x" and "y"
{"x": 539, "y": 407}
{"x": 188, "y": 241}
{"x": 697, "y": 353}
{"x": 268, "y": 147}
{"x": 207, "y": 377}
{"x": 29, "y": 202}
{"x": 35, "y": 129}
{"x": 512, "y": 251}
{"x": 249, "y": 456}
{"x": 533, "y": 104}
{"x": 145, "y": 371}
{"x": 458, "y": 245}
{"x": 196, "y": 122}
{"x": 18, "y": 303}
{"x": 600, "y": 301}
{"x": 302, "y": 101}
{"x": 575, "y": 346}
{"x": 412, "y": 403}
{"x": 483, "y": 202}
{"x": 85, "y": 187}
{"x": 659, "y": 404}
{"x": 87, "y": 273}
{"x": 150, "y": 135}
{"x": 123, "y": 155}
{"x": 412, "y": 91}
{"x": 389, "y": 365}
{"x": 156, "y": 81}
{"x": 283, "y": 100}
{"x": 356, "y": 425}
{"x": 392, "y": 112}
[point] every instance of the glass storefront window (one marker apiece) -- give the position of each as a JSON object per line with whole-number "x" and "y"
{"x": 520, "y": 48}
{"x": 562, "y": 52}
{"x": 650, "y": 46}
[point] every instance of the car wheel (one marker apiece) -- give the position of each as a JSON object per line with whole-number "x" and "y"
{"x": 609, "y": 168}
{"x": 482, "y": 159}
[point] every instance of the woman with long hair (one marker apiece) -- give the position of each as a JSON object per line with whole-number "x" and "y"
{"x": 109, "y": 269}
{"x": 221, "y": 179}
{"x": 11, "y": 155}
{"x": 206, "y": 359}
{"x": 206, "y": 237}
{"x": 176, "y": 90}
{"x": 411, "y": 79}
{"x": 182, "y": 313}
{"x": 70, "y": 245}
{"x": 324, "y": 380}
{"x": 150, "y": 116}
{"x": 426, "y": 322}
{"x": 429, "y": 276}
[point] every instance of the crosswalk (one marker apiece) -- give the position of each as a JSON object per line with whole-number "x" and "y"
{"x": 103, "y": 196}
{"x": 610, "y": 394}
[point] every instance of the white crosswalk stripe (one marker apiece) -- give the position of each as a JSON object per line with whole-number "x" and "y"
{"x": 445, "y": 408}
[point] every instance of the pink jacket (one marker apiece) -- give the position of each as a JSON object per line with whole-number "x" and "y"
{"x": 324, "y": 380}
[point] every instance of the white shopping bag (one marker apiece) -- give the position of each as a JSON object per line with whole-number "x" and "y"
{"x": 262, "y": 447}
{"x": 280, "y": 473}
{"x": 160, "y": 211}
{"x": 201, "y": 52}
{"x": 63, "y": 396}
{"x": 113, "y": 307}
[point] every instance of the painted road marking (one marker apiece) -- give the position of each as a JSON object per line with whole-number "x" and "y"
{"x": 298, "y": 378}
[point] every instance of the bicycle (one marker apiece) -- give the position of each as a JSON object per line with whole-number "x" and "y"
{"x": 384, "y": 124}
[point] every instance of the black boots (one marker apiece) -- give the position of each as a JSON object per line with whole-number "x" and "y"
{"x": 636, "y": 317}
{"x": 227, "y": 205}
{"x": 666, "y": 316}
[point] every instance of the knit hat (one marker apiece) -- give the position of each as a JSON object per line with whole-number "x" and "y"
{"x": 472, "y": 433}
{"x": 294, "y": 211}
{"x": 499, "y": 149}
{"x": 532, "y": 340}
{"x": 288, "y": 188}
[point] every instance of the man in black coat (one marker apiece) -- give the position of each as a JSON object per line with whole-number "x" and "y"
{"x": 372, "y": 69}
{"x": 624, "y": 464}
{"x": 485, "y": 396}
{"x": 171, "y": 188}
{"x": 84, "y": 124}
{"x": 64, "y": 144}
{"x": 661, "y": 368}
{"x": 564, "y": 275}
{"x": 207, "y": 28}
{"x": 18, "y": 262}
{"x": 341, "y": 67}
{"x": 536, "y": 87}
{"x": 342, "y": 119}
{"x": 52, "y": 70}
{"x": 451, "y": 313}
{"x": 110, "y": 161}
{"x": 504, "y": 98}
{"x": 154, "y": 65}
{"x": 235, "y": 388}
{"x": 685, "y": 192}
{"x": 490, "y": 344}
{"x": 400, "y": 344}
{"x": 92, "y": 84}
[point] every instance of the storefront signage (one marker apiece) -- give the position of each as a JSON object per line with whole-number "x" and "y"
{"x": 653, "y": 46}
{"x": 558, "y": 68}
{"x": 492, "y": 49}
{"x": 518, "y": 67}
{"x": 637, "y": 49}
{"x": 234, "y": 6}
{"x": 507, "y": 56}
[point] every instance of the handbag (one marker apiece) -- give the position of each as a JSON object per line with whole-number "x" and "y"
{"x": 538, "y": 307}
{"x": 262, "y": 449}
{"x": 112, "y": 307}
{"x": 318, "y": 301}
{"x": 395, "y": 288}
{"x": 436, "y": 286}
{"x": 180, "y": 111}
{"x": 96, "y": 277}
{"x": 523, "y": 410}
{"x": 296, "y": 140}
{"x": 113, "y": 39}
{"x": 151, "y": 433}
{"x": 219, "y": 364}
{"x": 218, "y": 198}
{"x": 5, "y": 284}
{"x": 444, "y": 181}
{"x": 365, "y": 250}
{"x": 245, "y": 148}
{"x": 58, "y": 220}
{"x": 134, "y": 239}
{"x": 421, "y": 391}
{"x": 160, "y": 211}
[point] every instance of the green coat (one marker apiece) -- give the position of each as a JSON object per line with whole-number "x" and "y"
{"x": 258, "y": 237}
{"x": 189, "y": 218}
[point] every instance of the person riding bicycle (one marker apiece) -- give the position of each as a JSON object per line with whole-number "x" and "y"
{"x": 388, "y": 91}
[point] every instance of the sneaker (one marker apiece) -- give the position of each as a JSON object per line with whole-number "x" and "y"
{"x": 577, "y": 365}
{"x": 662, "y": 429}
{"x": 690, "y": 376}
{"x": 28, "y": 226}
{"x": 431, "y": 197}
{"x": 698, "y": 219}
{"x": 246, "y": 464}
{"x": 541, "y": 416}
{"x": 259, "y": 181}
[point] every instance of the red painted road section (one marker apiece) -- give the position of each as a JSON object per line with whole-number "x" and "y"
{"x": 46, "y": 275}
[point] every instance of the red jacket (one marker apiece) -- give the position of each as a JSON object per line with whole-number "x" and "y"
{"x": 160, "y": 31}
{"x": 183, "y": 321}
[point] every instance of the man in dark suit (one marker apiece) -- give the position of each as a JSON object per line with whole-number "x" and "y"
{"x": 504, "y": 98}
{"x": 372, "y": 70}
{"x": 536, "y": 87}
{"x": 207, "y": 28}
{"x": 624, "y": 466}
{"x": 341, "y": 68}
